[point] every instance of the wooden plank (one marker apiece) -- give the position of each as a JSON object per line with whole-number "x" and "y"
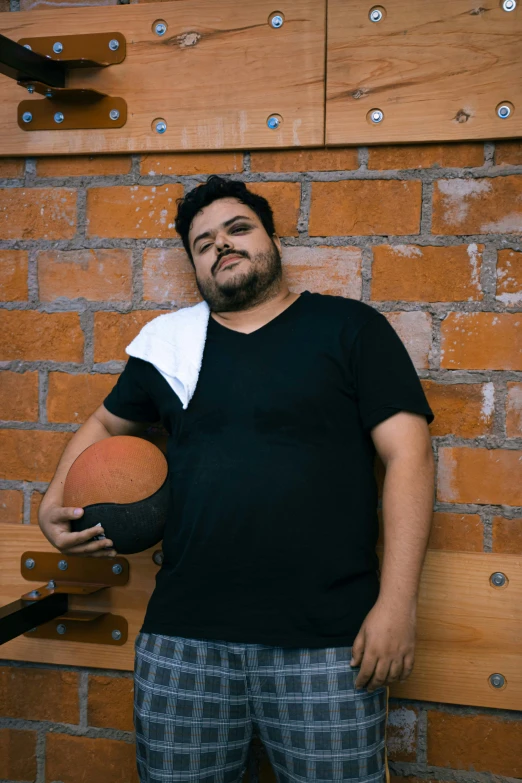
{"x": 467, "y": 629}
{"x": 437, "y": 70}
{"x": 215, "y": 77}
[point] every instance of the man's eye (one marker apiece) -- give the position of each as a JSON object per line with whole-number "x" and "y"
{"x": 240, "y": 228}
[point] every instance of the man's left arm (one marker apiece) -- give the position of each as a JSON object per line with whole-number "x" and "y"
{"x": 384, "y": 647}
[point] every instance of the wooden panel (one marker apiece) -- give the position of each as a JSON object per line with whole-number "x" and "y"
{"x": 215, "y": 77}
{"x": 467, "y": 629}
{"x": 437, "y": 70}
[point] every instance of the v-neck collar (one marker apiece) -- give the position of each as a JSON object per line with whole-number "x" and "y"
{"x": 277, "y": 319}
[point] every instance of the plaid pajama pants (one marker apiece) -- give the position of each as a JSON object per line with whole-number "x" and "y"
{"x": 198, "y": 702}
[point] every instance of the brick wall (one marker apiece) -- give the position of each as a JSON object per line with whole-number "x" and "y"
{"x": 428, "y": 234}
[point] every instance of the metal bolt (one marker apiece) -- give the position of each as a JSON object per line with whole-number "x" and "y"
{"x": 117, "y": 569}
{"x": 58, "y": 117}
{"x": 509, "y": 5}
{"x": 31, "y": 630}
{"x": 27, "y": 117}
{"x": 61, "y": 628}
{"x": 30, "y": 89}
{"x": 114, "y": 114}
{"x": 273, "y": 122}
{"x": 160, "y": 28}
{"x": 29, "y": 563}
{"x": 114, "y": 44}
{"x": 158, "y": 557}
{"x": 28, "y": 46}
{"x": 48, "y": 94}
{"x": 377, "y": 116}
{"x": 503, "y": 111}
{"x": 34, "y": 594}
{"x": 497, "y": 680}
{"x": 62, "y": 565}
{"x": 51, "y": 584}
{"x": 58, "y": 47}
{"x": 498, "y": 579}
{"x": 161, "y": 126}
{"x": 116, "y": 635}
{"x": 375, "y": 15}
{"x": 277, "y": 21}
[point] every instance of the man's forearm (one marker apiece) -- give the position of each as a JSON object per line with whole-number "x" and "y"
{"x": 407, "y": 506}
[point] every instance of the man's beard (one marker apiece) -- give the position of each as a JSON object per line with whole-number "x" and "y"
{"x": 241, "y": 290}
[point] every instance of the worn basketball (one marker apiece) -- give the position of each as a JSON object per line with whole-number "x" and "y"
{"x": 120, "y": 482}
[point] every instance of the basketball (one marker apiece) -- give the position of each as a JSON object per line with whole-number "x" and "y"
{"x": 121, "y": 483}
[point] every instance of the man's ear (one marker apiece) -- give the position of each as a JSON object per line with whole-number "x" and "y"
{"x": 277, "y": 242}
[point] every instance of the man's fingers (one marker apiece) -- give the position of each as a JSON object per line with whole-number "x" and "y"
{"x": 395, "y": 672}
{"x": 93, "y": 546}
{"x": 69, "y": 540}
{"x": 407, "y": 667}
{"x": 368, "y": 665}
{"x": 380, "y": 675}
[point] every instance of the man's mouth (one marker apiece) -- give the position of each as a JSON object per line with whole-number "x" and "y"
{"x": 228, "y": 260}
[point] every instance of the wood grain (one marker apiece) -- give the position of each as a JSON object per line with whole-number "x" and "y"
{"x": 215, "y": 77}
{"x": 437, "y": 70}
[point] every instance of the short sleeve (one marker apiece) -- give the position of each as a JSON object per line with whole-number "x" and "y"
{"x": 129, "y": 397}
{"x": 385, "y": 377}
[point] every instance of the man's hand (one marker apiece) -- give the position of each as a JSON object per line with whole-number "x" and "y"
{"x": 384, "y": 647}
{"x": 55, "y": 524}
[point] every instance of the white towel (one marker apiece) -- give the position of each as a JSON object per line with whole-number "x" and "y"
{"x": 174, "y": 344}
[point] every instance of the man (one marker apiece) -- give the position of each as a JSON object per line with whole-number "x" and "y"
{"x": 269, "y": 611}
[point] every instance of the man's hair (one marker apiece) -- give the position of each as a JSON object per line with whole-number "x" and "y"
{"x": 214, "y": 188}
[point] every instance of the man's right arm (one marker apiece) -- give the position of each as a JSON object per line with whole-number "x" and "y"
{"x": 53, "y": 518}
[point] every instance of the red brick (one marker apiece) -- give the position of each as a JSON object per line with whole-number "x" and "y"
{"x": 168, "y": 276}
{"x": 33, "y": 336}
{"x": 423, "y": 156}
{"x": 39, "y": 694}
{"x": 338, "y": 159}
{"x": 18, "y": 754}
{"x": 110, "y": 702}
{"x": 475, "y": 475}
{"x": 401, "y": 733}
{"x": 36, "y": 499}
{"x": 509, "y": 278}
{"x": 477, "y": 206}
{"x": 514, "y": 410}
{"x": 508, "y": 153}
{"x": 456, "y": 532}
{"x": 327, "y": 270}
{"x": 114, "y": 331}
{"x": 31, "y": 455}
{"x": 414, "y": 329}
{"x": 135, "y": 211}
{"x": 83, "y": 165}
{"x": 481, "y": 341}
{"x": 186, "y": 163}
{"x": 478, "y": 743}
{"x": 13, "y": 275}
{"x": 11, "y": 168}
{"x": 11, "y": 506}
{"x": 107, "y": 761}
{"x": 73, "y": 398}
{"x": 101, "y": 275}
{"x": 37, "y": 213}
{"x": 19, "y": 396}
{"x": 464, "y": 410}
{"x": 507, "y": 535}
{"x": 365, "y": 207}
{"x": 415, "y": 273}
{"x": 285, "y": 199}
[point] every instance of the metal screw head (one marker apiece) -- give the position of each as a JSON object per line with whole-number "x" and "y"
{"x": 375, "y": 15}
{"x": 114, "y": 114}
{"x": 498, "y": 579}
{"x": 28, "y": 46}
{"x": 377, "y": 116}
{"x": 61, "y": 628}
{"x": 48, "y": 94}
{"x": 62, "y": 565}
{"x": 57, "y": 47}
{"x": 51, "y": 584}
{"x": 161, "y": 126}
{"x": 273, "y": 123}
{"x": 277, "y": 21}
{"x": 117, "y": 569}
{"x": 58, "y": 117}
{"x": 114, "y": 44}
{"x": 504, "y": 111}
{"x": 160, "y": 28}
{"x": 509, "y": 5}
{"x": 116, "y": 635}
{"x": 30, "y": 89}
{"x": 27, "y": 117}
{"x": 34, "y": 594}
{"x": 158, "y": 557}
{"x": 497, "y": 680}
{"x": 29, "y": 563}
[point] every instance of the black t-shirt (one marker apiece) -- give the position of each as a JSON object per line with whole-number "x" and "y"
{"x": 273, "y": 526}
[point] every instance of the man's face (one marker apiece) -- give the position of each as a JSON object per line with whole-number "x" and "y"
{"x": 229, "y": 231}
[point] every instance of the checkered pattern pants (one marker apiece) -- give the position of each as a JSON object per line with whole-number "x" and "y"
{"x": 198, "y": 702}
